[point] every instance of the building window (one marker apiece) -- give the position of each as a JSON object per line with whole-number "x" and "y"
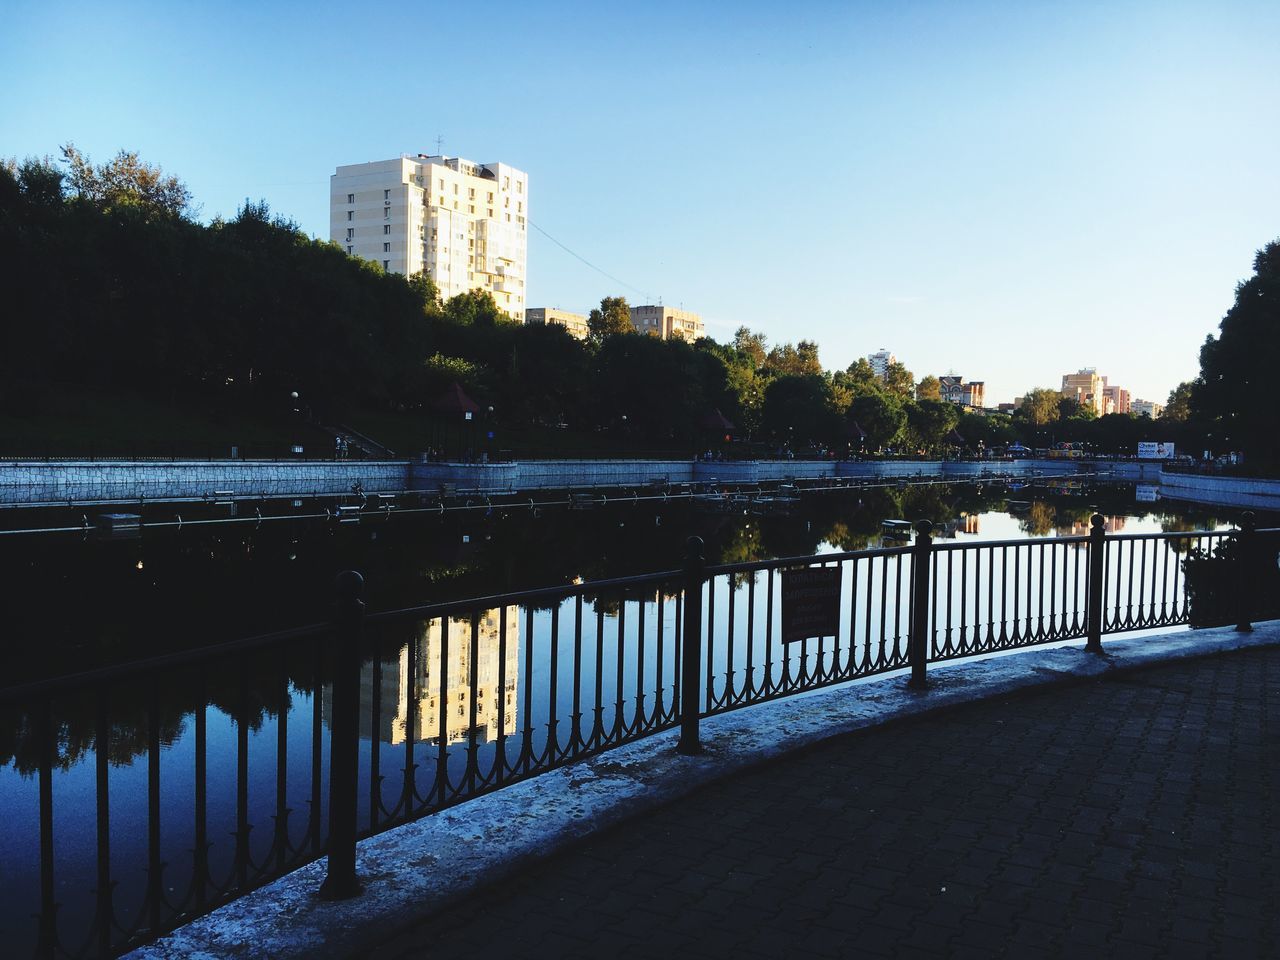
{"x": 519, "y": 186}
{"x": 491, "y": 213}
{"x": 386, "y": 194}
{"x": 491, "y": 198}
{"x": 455, "y": 189}
{"x": 350, "y": 215}
{"x": 386, "y": 265}
{"x": 441, "y": 182}
{"x": 386, "y": 213}
{"x": 351, "y": 198}
{"x": 471, "y": 193}
{"x": 348, "y": 250}
{"x": 350, "y": 233}
{"x": 386, "y": 248}
{"x": 386, "y": 228}
{"x": 471, "y": 208}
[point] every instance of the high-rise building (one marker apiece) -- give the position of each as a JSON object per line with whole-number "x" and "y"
{"x": 462, "y": 223}
{"x": 1147, "y": 408}
{"x": 575, "y": 323}
{"x": 668, "y": 322}
{"x": 880, "y": 361}
{"x": 1086, "y": 388}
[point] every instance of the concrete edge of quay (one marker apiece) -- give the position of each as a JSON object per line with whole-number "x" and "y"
{"x": 415, "y": 870}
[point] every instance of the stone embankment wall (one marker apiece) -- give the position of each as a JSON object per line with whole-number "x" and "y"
{"x": 36, "y": 483}
{"x": 1222, "y": 491}
{"x": 32, "y": 483}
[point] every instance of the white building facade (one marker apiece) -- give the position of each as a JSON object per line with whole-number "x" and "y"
{"x": 464, "y": 224}
{"x": 880, "y": 361}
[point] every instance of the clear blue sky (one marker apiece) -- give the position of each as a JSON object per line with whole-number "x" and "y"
{"x": 1009, "y": 190}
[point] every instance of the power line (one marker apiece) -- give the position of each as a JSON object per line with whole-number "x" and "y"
{"x": 605, "y": 273}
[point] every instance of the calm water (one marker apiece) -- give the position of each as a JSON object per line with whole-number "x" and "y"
{"x": 88, "y": 603}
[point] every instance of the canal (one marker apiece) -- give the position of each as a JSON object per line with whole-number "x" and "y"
{"x": 471, "y": 694}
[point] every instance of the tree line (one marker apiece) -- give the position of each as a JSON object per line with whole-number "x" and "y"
{"x": 116, "y": 284}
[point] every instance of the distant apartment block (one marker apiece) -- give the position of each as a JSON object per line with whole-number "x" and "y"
{"x": 880, "y": 361}
{"x": 1117, "y": 399}
{"x": 668, "y": 322}
{"x": 1147, "y": 408}
{"x": 575, "y": 323}
{"x": 1086, "y": 388}
{"x": 462, "y": 223}
{"x": 953, "y": 389}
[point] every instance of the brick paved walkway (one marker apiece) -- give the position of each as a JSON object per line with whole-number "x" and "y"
{"x": 1132, "y": 816}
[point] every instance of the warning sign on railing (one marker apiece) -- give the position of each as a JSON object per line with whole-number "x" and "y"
{"x": 810, "y": 603}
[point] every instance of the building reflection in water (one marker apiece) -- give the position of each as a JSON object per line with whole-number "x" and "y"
{"x": 1080, "y": 528}
{"x": 413, "y": 686}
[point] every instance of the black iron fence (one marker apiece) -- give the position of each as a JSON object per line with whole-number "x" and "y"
{"x": 258, "y": 756}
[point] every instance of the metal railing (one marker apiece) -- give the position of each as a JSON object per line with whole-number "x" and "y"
{"x": 431, "y": 705}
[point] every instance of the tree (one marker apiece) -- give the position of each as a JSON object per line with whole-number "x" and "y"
{"x": 898, "y": 381}
{"x": 752, "y": 346}
{"x": 929, "y": 421}
{"x": 1041, "y": 406}
{"x": 797, "y": 407}
{"x": 125, "y": 181}
{"x": 930, "y": 388}
{"x": 798, "y": 361}
{"x": 473, "y": 308}
{"x": 1178, "y": 408}
{"x": 859, "y": 378}
{"x": 881, "y": 417}
{"x": 1235, "y": 395}
{"x": 612, "y": 318}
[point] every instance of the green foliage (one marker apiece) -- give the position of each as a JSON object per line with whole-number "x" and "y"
{"x": 612, "y": 318}
{"x": 1235, "y": 395}
{"x": 798, "y": 361}
{"x": 929, "y": 422}
{"x": 1178, "y": 408}
{"x": 125, "y": 181}
{"x": 1041, "y": 406}
{"x": 899, "y": 381}
{"x": 859, "y": 378}
{"x": 930, "y": 388}
{"x": 881, "y": 416}
{"x": 797, "y": 409}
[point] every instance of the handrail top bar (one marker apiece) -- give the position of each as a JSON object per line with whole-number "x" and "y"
{"x": 136, "y": 668}
{"x": 444, "y": 608}
{"x": 1029, "y": 542}
{"x": 1172, "y": 534}
{"x": 810, "y": 560}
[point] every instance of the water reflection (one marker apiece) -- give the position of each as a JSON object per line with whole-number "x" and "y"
{"x": 422, "y": 712}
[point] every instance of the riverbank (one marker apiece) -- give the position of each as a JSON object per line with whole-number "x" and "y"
{"x": 89, "y": 482}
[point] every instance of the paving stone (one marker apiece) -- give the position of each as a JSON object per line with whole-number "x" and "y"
{"x": 1128, "y": 816}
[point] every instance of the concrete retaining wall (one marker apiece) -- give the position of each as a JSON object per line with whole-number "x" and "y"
{"x": 96, "y": 481}
{"x": 1224, "y": 491}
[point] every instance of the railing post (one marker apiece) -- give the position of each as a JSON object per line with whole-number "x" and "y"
{"x": 918, "y": 635}
{"x": 1245, "y": 537}
{"x": 691, "y": 648}
{"x": 1094, "y": 600}
{"x": 344, "y": 739}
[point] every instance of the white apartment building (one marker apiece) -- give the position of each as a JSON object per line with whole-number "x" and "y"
{"x": 463, "y": 223}
{"x": 668, "y": 322}
{"x": 1147, "y": 408}
{"x": 575, "y": 323}
{"x": 880, "y": 361}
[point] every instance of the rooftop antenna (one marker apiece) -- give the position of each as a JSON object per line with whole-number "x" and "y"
{"x": 439, "y": 145}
